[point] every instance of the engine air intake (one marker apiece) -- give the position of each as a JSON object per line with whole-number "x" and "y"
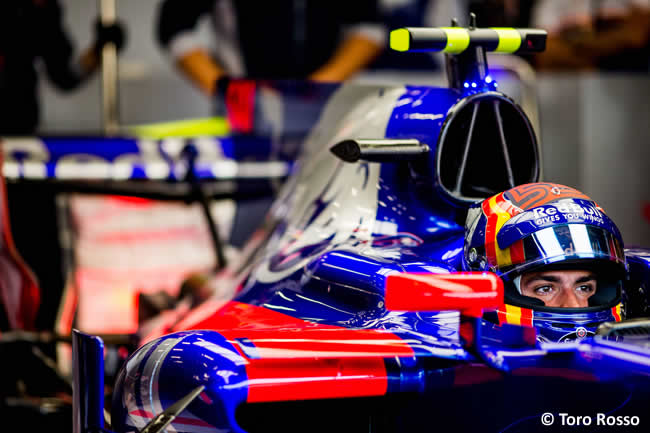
{"x": 486, "y": 145}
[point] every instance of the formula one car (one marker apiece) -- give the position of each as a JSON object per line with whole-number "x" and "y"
{"x": 348, "y": 312}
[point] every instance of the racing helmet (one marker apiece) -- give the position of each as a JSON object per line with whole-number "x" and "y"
{"x": 536, "y": 231}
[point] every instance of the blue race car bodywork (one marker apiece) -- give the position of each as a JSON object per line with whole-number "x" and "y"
{"x": 304, "y": 316}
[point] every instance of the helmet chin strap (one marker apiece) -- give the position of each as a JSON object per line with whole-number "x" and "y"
{"x": 517, "y": 283}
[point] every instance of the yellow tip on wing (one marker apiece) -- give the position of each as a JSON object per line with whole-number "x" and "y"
{"x": 400, "y": 40}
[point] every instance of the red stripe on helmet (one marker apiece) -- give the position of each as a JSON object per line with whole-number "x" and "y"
{"x": 517, "y": 252}
{"x": 490, "y": 232}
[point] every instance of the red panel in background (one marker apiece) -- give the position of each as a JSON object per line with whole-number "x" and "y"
{"x": 240, "y": 105}
{"x": 132, "y": 200}
{"x": 125, "y": 246}
{"x": 20, "y": 295}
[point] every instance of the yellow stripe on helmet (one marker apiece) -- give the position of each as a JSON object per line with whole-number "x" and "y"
{"x": 509, "y": 40}
{"x": 502, "y": 256}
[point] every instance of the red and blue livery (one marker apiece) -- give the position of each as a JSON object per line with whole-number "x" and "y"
{"x": 351, "y": 307}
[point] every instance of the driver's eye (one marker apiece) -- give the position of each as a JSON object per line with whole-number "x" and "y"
{"x": 544, "y": 290}
{"x": 586, "y": 288}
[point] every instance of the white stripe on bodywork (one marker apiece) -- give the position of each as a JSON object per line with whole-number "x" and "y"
{"x": 149, "y": 380}
{"x": 348, "y": 190}
{"x": 149, "y": 389}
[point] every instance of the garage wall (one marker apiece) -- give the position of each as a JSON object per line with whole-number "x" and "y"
{"x": 595, "y": 129}
{"x": 615, "y": 150}
{"x": 150, "y": 89}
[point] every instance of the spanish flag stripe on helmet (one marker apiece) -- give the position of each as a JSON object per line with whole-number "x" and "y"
{"x": 498, "y": 210}
{"x": 490, "y": 231}
{"x": 616, "y": 311}
{"x": 503, "y": 256}
{"x": 517, "y": 252}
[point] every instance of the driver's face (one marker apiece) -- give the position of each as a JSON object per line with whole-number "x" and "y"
{"x": 565, "y": 289}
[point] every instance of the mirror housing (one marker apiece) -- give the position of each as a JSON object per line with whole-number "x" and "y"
{"x": 468, "y": 292}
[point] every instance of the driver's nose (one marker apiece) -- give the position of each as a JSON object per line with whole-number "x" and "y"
{"x": 570, "y": 299}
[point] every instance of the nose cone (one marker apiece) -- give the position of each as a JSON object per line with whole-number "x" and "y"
{"x": 163, "y": 371}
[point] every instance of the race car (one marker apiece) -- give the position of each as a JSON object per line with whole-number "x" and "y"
{"x": 362, "y": 304}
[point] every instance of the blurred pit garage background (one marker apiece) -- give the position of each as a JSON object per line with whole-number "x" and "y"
{"x": 593, "y": 124}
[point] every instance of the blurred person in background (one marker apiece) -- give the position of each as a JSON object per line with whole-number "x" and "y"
{"x": 594, "y": 34}
{"x": 324, "y": 41}
{"x": 502, "y": 13}
{"x": 417, "y": 13}
{"x": 439, "y": 13}
{"x": 284, "y": 40}
{"x": 32, "y": 30}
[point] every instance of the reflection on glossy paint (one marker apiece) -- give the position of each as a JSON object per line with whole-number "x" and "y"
{"x": 311, "y": 323}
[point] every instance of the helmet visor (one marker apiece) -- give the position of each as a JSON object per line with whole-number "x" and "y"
{"x": 577, "y": 247}
{"x": 566, "y": 242}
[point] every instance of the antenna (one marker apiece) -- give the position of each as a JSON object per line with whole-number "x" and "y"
{"x": 465, "y": 48}
{"x": 469, "y": 66}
